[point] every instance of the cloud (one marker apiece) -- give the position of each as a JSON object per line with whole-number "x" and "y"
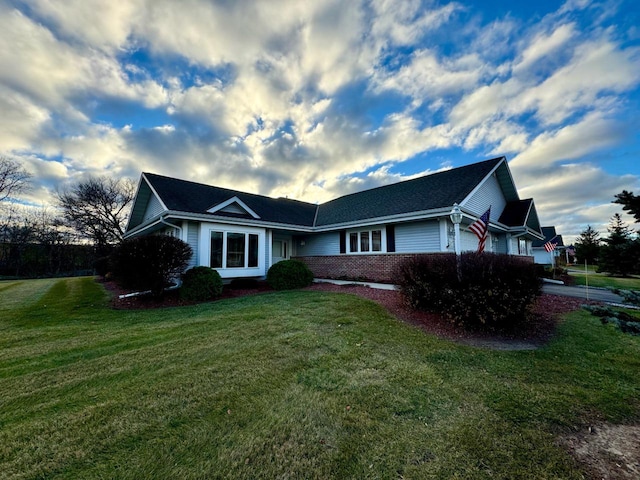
{"x": 310, "y": 99}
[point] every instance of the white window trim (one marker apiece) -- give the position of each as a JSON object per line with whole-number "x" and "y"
{"x": 383, "y": 246}
{"x": 232, "y": 272}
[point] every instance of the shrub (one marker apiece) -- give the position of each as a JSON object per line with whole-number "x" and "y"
{"x": 151, "y": 262}
{"x": 102, "y": 266}
{"x": 289, "y": 274}
{"x": 491, "y": 291}
{"x": 200, "y": 283}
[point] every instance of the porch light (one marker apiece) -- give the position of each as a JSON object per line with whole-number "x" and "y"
{"x": 456, "y": 214}
{"x": 456, "y": 218}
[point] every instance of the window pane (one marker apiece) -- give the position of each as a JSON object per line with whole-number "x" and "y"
{"x": 376, "y": 240}
{"x": 253, "y": 250}
{"x": 364, "y": 241}
{"x": 353, "y": 242}
{"x": 216, "y": 250}
{"x": 235, "y": 250}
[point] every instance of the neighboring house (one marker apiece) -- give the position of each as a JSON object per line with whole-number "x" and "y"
{"x": 358, "y": 236}
{"x": 540, "y": 254}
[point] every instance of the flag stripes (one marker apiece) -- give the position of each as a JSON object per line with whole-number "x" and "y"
{"x": 481, "y": 228}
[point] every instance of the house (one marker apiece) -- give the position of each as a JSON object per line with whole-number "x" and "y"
{"x": 363, "y": 235}
{"x": 540, "y": 253}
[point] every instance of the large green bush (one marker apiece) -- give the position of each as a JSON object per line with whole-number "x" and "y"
{"x": 289, "y": 274}
{"x": 486, "y": 290}
{"x": 200, "y": 283}
{"x": 150, "y": 262}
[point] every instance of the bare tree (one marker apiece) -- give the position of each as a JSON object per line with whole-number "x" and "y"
{"x": 97, "y": 208}
{"x": 13, "y": 178}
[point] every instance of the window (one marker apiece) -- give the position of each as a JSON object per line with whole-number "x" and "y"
{"x": 353, "y": 242}
{"x": 216, "y": 250}
{"x": 253, "y": 250}
{"x": 234, "y": 250}
{"x": 376, "y": 240}
{"x": 365, "y": 241}
{"x": 522, "y": 246}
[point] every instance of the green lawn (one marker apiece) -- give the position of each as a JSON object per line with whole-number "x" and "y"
{"x": 288, "y": 385}
{"x": 604, "y": 281}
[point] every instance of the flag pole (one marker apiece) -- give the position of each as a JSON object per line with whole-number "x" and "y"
{"x": 586, "y": 277}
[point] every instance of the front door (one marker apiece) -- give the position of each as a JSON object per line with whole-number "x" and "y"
{"x": 281, "y": 249}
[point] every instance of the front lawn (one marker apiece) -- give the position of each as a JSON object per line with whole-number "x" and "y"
{"x": 288, "y": 385}
{"x": 605, "y": 281}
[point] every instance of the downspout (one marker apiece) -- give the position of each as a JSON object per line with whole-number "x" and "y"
{"x": 163, "y": 221}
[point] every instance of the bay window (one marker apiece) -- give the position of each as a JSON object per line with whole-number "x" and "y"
{"x": 234, "y": 250}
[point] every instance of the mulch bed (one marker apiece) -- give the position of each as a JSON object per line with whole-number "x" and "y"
{"x": 535, "y": 332}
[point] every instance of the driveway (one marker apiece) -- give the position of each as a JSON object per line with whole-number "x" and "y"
{"x": 596, "y": 294}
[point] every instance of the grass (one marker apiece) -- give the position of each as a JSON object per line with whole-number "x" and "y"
{"x": 287, "y": 385}
{"x": 605, "y": 281}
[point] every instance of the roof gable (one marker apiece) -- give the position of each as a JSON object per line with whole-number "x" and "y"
{"x": 233, "y": 206}
{"x": 549, "y": 234}
{"x": 145, "y": 197}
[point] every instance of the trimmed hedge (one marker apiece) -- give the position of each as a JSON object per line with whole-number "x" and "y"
{"x": 150, "y": 262}
{"x": 289, "y": 274}
{"x": 491, "y": 291}
{"x": 200, "y": 284}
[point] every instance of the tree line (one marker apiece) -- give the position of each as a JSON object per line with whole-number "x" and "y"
{"x": 619, "y": 252}
{"x": 89, "y": 218}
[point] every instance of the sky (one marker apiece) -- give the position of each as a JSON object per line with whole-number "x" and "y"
{"x": 313, "y": 100}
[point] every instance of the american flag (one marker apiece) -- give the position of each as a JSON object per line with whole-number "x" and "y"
{"x": 481, "y": 227}
{"x": 550, "y": 247}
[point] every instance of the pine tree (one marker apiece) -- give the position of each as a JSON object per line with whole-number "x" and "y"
{"x": 616, "y": 255}
{"x": 588, "y": 245}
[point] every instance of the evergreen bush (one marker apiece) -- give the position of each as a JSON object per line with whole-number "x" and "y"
{"x": 486, "y": 290}
{"x": 289, "y": 274}
{"x": 150, "y": 262}
{"x": 200, "y": 284}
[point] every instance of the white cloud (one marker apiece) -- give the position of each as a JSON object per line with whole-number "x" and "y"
{"x": 589, "y": 136}
{"x": 278, "y": 120}
{"x": 543, "y": 45}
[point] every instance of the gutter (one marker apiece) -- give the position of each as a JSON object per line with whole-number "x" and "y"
{"x": 163, "y": 221}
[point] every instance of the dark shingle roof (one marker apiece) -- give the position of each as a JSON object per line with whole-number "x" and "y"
{"x": 549, "y": 234}
{"x": 184, "y": 196}
{"x": 438, "y": 190}
{"x": 425, "y": 193}
{"x": 515, "y": 213}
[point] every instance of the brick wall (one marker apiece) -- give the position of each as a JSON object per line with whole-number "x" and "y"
{"x": 372, "y": 268}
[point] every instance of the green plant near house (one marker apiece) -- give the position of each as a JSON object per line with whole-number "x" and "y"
{"x": 289, "y": 274}
{"x": 150, "y": 262}
{"x": 200, "y": 284}
{"x": 486, "y": 290}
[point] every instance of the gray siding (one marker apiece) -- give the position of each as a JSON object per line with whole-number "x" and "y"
{"x": 321, "y": 244}
{"x": 154, "y": 207}
{"x": 193, "y": 235}
{"x": 418, "y": 237}
{"x": 489, "y": 194}
{"x": 502, "y": 243}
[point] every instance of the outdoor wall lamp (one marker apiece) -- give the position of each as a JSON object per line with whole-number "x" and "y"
{"x": 456, "y": 218}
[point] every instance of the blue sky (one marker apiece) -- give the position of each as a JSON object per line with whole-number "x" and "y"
{"x": 312, "y": 100}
